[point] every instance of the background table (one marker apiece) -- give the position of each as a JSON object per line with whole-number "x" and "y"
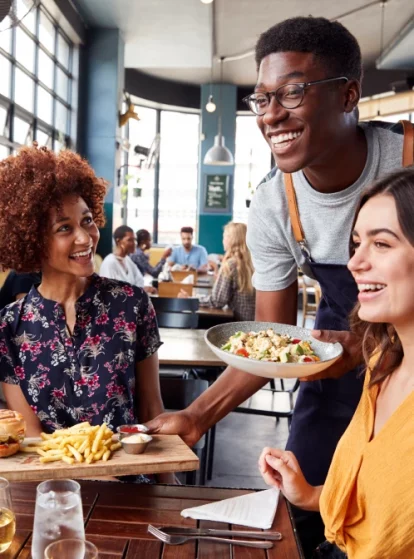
{"x": 186, "y": 348}
{"x": 117, "y": 516}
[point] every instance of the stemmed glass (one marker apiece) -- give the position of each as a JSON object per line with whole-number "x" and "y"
{"x": 7, "y": 518}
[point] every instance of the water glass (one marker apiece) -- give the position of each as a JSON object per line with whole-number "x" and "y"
{"x": 58, "y": 514}
{"x": 7, "y": 518}
{"x": 71, "y": 549}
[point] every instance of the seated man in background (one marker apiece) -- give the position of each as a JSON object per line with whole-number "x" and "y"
{"x": 141, "y": 259}
{"x": 188, "y": 255}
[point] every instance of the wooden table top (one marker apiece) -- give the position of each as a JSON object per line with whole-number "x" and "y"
{"x": 210, "y": 311}
{"x": 186, "y": 347}
{"x": 117, "y": 517}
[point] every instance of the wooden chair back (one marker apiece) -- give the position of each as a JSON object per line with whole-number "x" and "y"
{"x": 172, "y": 289}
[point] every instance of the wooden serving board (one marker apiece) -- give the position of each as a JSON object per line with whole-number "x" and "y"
{"x": 165, "y": 453}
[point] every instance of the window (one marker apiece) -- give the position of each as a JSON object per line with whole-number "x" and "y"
{"x": 141, "y": 133}
{"x": 252, "y": 163}
{"x": 178, "y": 146}
{"x": 37, "y": 79}
{"x": 178, "y": 174}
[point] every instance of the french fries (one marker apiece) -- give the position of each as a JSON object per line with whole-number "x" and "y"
{"x": 77, "y": 444}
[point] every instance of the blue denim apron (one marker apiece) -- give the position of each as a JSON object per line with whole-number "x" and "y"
{"x": 323, "y": 408}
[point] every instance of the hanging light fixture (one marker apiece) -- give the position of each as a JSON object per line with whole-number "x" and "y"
{"x": 219, "y": 154}
{"x": 210, "y": 105}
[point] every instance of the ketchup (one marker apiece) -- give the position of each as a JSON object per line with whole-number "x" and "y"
{"x": 130, "y": 429}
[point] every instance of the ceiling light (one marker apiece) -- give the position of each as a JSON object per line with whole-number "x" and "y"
{"x": 219, "y": 154}
{"x": 206, "y": 1}
{"x": 210, "y": 106}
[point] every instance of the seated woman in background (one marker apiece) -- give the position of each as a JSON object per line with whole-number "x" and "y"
{"x": 77, "y": 347}
{"x": 367, "y": 502}
{"x": 119, "y": 265}
{"x": 233, "y": 286}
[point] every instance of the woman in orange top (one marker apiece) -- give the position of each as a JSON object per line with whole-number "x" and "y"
{"x": 367, "y": 502}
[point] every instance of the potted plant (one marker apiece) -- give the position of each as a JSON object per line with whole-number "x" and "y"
{"x": 137, "y": 190}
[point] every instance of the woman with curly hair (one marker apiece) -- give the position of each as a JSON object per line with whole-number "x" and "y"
{"x": 367, "y": 502}
{"x": 233, "y": 286}
{"x": 77, "y": 347}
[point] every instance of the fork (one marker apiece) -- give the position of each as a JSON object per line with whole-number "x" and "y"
{"x": 178, "y": 540}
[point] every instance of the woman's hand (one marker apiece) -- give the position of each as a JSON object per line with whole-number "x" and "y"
{"x": 279, "y": 468}
{"x": 183, "y": 294}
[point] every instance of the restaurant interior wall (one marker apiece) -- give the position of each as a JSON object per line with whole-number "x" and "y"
{"x": 102, "y": 94}
{"x": 39, "y": 84}
{"x": 211, "y": 220}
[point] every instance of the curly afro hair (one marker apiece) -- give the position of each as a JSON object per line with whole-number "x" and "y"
{"x": 328, "y": 40}
{"x": 32, "y": 183}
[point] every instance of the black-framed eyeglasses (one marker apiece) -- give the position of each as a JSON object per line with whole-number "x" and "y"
{"x": 289, "y": 96}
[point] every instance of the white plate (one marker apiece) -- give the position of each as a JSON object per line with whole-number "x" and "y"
{"x": 217, "y": 336}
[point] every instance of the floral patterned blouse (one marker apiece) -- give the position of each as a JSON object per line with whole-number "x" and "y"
{"x": 89, "y": 376}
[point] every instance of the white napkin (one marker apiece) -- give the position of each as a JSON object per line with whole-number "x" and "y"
{"x": 256, "y": 510}
{"x": 188, "y": 279}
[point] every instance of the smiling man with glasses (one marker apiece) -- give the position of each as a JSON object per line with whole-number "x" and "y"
{"x": 305, "y": 101}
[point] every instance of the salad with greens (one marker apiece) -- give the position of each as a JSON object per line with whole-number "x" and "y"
{"x": 267, "y": 345}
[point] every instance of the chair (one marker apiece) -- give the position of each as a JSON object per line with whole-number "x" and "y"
{"x": 98, "y": 262}
{"x": 176, "y": 313}
{"x": 179, "y": 275}
{"x": 155, "y": 255}
{"x": 178, "y": 394}
{"x": 271, "y": 402}
{"x": 172, "y": 289}
{"x": 313, "y": 289}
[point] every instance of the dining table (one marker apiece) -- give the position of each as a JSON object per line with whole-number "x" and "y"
{"x": 186, "y": 347}
{"x": 117, "y": 516}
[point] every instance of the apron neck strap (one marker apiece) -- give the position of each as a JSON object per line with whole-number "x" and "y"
{"x": 408, "y": 147}
{"x": 293, "y": 209}
{"x": 407, "y": 159}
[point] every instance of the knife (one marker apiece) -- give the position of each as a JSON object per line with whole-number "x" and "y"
{"x": 213, "y": 532}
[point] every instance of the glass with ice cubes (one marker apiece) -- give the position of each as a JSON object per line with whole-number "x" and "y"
{"x": 58, "y": 514}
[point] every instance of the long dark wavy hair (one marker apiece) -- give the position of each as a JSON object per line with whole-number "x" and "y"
{"x": 382, "y": 338}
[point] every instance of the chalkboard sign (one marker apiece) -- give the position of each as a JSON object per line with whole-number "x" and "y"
{"x": 216, "y": 192}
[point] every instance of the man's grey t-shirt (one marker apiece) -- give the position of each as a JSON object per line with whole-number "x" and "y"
{"x": 326, "y": 218}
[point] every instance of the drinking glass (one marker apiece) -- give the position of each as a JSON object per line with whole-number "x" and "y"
{"x": 71, "y": 549}
{"x": 7, "y": 518}
{"x": 58, "y": 514}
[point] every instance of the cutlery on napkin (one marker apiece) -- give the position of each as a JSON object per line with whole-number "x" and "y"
{"x": 255, "y": 510}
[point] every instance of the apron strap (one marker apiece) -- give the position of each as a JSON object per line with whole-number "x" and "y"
{"x": 293, "y": 208}
{"x": 407, "y": 159}
{"x": 408, "y": 147}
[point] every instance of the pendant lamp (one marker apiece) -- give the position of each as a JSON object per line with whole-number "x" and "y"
{"x": 219, "y": 154}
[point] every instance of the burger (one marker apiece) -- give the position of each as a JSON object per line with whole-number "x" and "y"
{"x": 12, "y": 432}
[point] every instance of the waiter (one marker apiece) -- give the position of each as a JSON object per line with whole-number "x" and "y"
{"x": 305, "y": 101}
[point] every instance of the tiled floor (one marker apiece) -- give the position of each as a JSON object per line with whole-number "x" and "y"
{"x": 240, "y": 439}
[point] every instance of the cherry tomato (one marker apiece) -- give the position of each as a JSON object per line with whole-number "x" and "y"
{"x": 242, "y": 352}
{"x": 308, "y": 360}
{"x": 296, "y": 341}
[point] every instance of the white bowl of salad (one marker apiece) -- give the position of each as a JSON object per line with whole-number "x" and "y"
{"x": 271, "y": 350}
